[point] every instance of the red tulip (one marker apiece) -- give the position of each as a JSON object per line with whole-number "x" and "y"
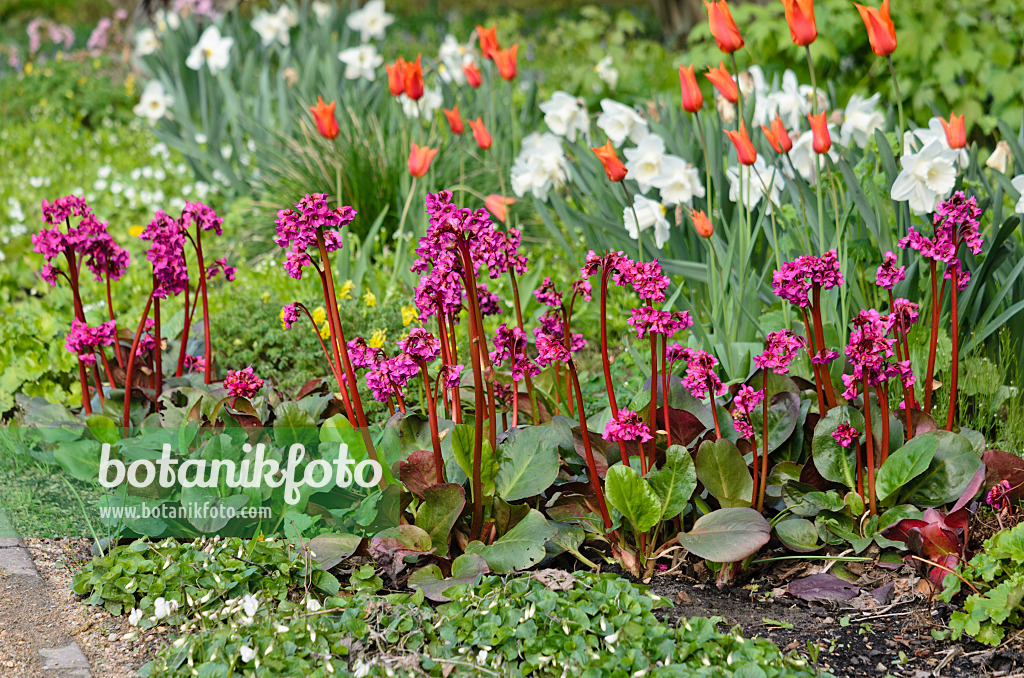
{"x": 323, "y": 116}
{"x": 480, "y": 133}
{"x": 745, "y": 151}
{"x": 723, "y": 82}
{"x": 819, "y": 126}
{"x": 473, "y": 77}
{"x": 800, "y": 17}
{"x": 412, "y": 78}
{"x": 777, "y": 136}
{"x": 956, "y": 132}
{"x": 881, "y": 31}
{"x": 701, "y": 222}
{"x": 613, "y": 167}
{"x": 693, "y": 99}
{"x": 723, "y": 27}
{"x": 488, "y": 40}
{"x": 497, "y": 205}
{"x": 396, "y": 77}
{"x": 419, "y": 159}
{"x": 506, "y": 61}
{"x": 454, "y": 120}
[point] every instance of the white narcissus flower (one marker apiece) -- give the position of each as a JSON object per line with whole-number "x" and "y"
{"x": 540, "y": 165}
{"x": 135, "y": 616}
{"x": 154, "y": 101}
{"x": 789, "y": 102}
{"x": 566, "y": 116}
{"x": 361, "y": 62}
{"x": 648, "y": 213}
{"x": 619, "y": 122}
{"x": 1000, "y": 158}
{"x": 607, "y": 72}
{"x": 644, "y": 162}
{"x": 212, "y": 49}
{"x": 322, "y": 11}
{"x": 275, "y": 26}
{"x": 803, "y": 156}
{"x": 928, "y": 176}
{"x": 166, "y": 21}
{"x": 679, "y": 182}
{"x": 371, "y": 21}
{"x": 758, "y": 180}
{"x": 146, "y": 42}
{"x": 453, "y": 55}
{"x": 246, "y": 653}
{"x": 426, "y": 106}
{"x": 1018, "y": 183}
{"x": 916, "y": 139}
{"x": 860, "y": 120}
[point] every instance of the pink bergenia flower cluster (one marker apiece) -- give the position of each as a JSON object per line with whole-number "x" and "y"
{"x": 297, "y": 230}
{"x": 780, "y": 349}
{"x": 89, "y": 240}
{"x": 551, "y": 350}
{"x": 955, "y": 223}
{"x": 700, "y": 379}
{"x": 290, "y": 315}
{"x": 644, "y": 277}
{"x": 147, "y": 342}
{"x": 627, "y": 426}
{"x": 83, "y": 340}
{"x": 387, "y": 377}
{"x": 362, "y": 354}
{"x": 796, "y": 278}
{"x": 869, "y": 351}
{"x": 846, "y": 435}
{"x": 510, "y": 345}
{"x": 195, "y": 363}
{"x": 421, "y": 345}
{"x": 746, "y": 401}
{"x": 657, "y": 321}
{"x": 243, "y": 383}
{"x": 904, "y": 313}
{"x": 547, "y": 294}
{"x": 167, "y": 254}
{"x": 997, "y": 496}
{"x": 889, "y": 273}
{"x": 551, "y": 326}
{"x": 596, "y": 263}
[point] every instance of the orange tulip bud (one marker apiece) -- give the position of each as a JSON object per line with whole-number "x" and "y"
{"x": 956, "y": 132}
{"x": 819, "y": 126}
{"x": 480, "y": 133}
{"x": 723, "y": 27}
{"x": 488, "y": 41}
{"x": 800, "y": 17}
{"x": 506, "y": 60}
{"x": 454, "y": 120}
{"x": 497, "y": 205}
{"x": 412, "y": 78}
{"x": 396, "y": 77}
{"x": 777, "y": 136}
{"x": 419, "y": 159}
{"x": 473, "y": 77}
{"x": 323, "y": 116}
{"x": 723, "y": 82}
{"x": 613, "y": 167}
{"x": 745, "y": 151}
{"x": 881, "y": 31}
{"x": 701, "y": 222}
{"x": 692, "y": 97}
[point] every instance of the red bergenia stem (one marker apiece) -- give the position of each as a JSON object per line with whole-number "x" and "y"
{"x": 435, "y": 435}
{"x": 99, "y": 384}
{"x": 117, "y": 342}
{"x": 930, "y": 374}
{"x": 478, "y": 396}
{"x": 588, "y": 451}
{"x": 131, "y": 364}
{"x": 955, "y": 331}
{"x": 903, "y": 353}
{"x": 870, "y": 446}
{"x": 811, "y": 350}
{"x": 606, "y": 361}
{"x": 207, "y": 348}
{"x": 335, "y": 363}
{"x": 558, "y": 388}
{"x": 764, "y": 437}
{"x": 647, "y": 460}
{"x": 456, "y": 396}
{"x": 714, "y": 410}
{"x": 158, "y": 358}
{"x": 819, "y": 334}
{"x": 186, "y": 328}
{"x": 664, "y": 390}
{"x": 330, "y": 361}
{"x": 883, "y": 405}
{"x": 86, "y": 405}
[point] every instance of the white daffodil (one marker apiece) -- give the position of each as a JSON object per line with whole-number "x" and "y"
{"x": 607, "y": 72}
{"x": 644, "y": 162}
{"x": 246, "y": 653}
{"x": 540, "y": 165}
{"x": 860, "y": 120}
{"x": 322, "y": 11}
{"x": 154, "y": 101}
{"x": 679, "y": 182}
{"x": 212, "y": 49}
{"x": 648, "y": 213}
{"x": 453, "y": 55}
{"x": 146, "y": 42}
{"x": 566, "y": 116}
{"x": 928, "y": 176}
{"x": 620, "y": 122}
{"x": 788, "y": 102}
{"x": 361, "y": 62}
{"x": 135, "y": 616}
{"x": 1000, "y": 158}
{"x": 166, "y": 21}
{"x": 1018, "y": 183}
{"x": 916, "y": 139}
{"x": 275, "y": 26}
{"x": 803, "y": 156}
{"x": 371, "y": 21}
{"x": 250, "y": 604}
{"x": 758, "y": 180}
{"x": 425, "y": 107}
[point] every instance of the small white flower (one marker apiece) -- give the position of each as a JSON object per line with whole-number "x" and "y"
{"x": 135, "y": 616}
{"x": 179, "y": 642}
{"x": 371, "y": 21}
{"x": 163, "y": 608}
{"x": 313, "y": 605}
{"x": 453, "y": 55}
{"x": 678, "y": 182}
{"x": 620, "y": 122}
{"x": 612, "y": 639}
{"x": 565, "y": 115}
{"x": 644, "y": 162}
{"x": 928, "y": 177}
{"x": 361, "y": 668}
{"x": 212, "y": 50}
{"x": 1000, "y": 158}
{"x": 246, "y": 653}
{"x": 275, "y": 26}
{"x": 281, "y": 628}
{"x": 607, "y": 72}
{"x": 648, "y": 213}
{"x": 425, "y": 107}
{"x": 1018, "y": 183}
{"x": 166, "y": 21}
{"x": 146, "y": 42}
{"x": 250, "y": 604}
{"x": 361, "y": 62}
{"x": 481, "y": 656}
{"x": 322, "y": 11}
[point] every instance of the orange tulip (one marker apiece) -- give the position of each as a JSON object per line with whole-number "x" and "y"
{"x": 506, "y": 60}
{"x": 881, "y": 31}
{"x": 819, "y": 126}
{"x": 396, "y": 77}
{"x": 454, "y": 120}
{"x": 723, "y": 82}
{"x": 745, "y": 151}
{"x": 800, "y": 17}
{"x": 701, "y": 222}
{"x": 412, "y": 78}
{"x": 497, "y": 205}
{"x": 956, "y": 132}
{"x": 692, "y": 97}
{"x": 323, "y": 116}
{"x": 480, "y": 133}
{"x": 723, "y": 27}
{"x": 777, "y": 136}
{"x": 488, "y": 41}
{"x": 473, "y": 77}
{"x": 419, "y": 159}
{"x": 613, "y": 167}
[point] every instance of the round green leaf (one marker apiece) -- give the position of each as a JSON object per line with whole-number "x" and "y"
{"x": 727, "y": 535}
{"x": 528, "y": 463}
{"x": 633, "y": 496}
{"x": 722, "y": 470}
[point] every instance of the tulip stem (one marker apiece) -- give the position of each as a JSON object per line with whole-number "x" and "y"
{"x": 899, "y": 99}
{"x": 814, "y": 82}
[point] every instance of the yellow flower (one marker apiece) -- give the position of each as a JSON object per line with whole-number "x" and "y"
{"x": 135, "y": 231}
{"x": 346, "y": 290}
{"x": 265, "y": 297}
{"x": 325, "y": 331}
{"x": 370, "y": 299}
{"x": 129, "y": 85}
{"x": 409, "y": 314}
{"x": 319, "y": 315}
{"x": 377, "y": 339}
{"x": 28, "y": 68}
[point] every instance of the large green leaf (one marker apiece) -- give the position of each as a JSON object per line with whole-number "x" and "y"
{"x": 722, "y": 470}
{"x": 466, "y": 570}
{"x": 81, "y": 459}
{"x": 833, "y": 461}
{"x": 951, "y": 469}
{"x": 442, "y": 505}
{"x": 528, "y": 463}
{"x": 674, "y": 482}
{"x": 635, "y": 499}
{"x": 905, "y": 464}
{"x": 727, "y": 535}
{"x": 520, "y": 548}
{"x": 293, "y": 425}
